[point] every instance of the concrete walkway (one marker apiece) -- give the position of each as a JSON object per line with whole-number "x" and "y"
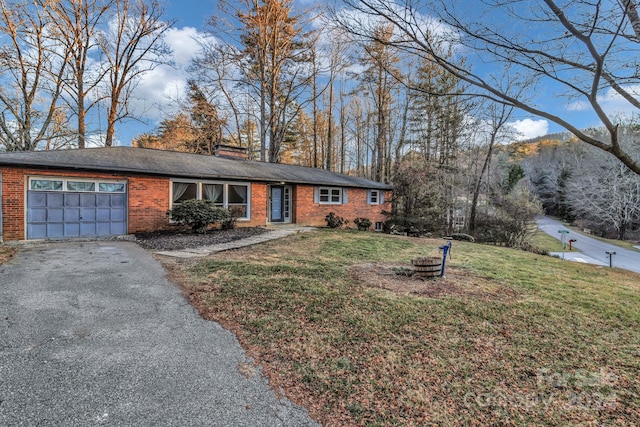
{"x": 276, "y": 233}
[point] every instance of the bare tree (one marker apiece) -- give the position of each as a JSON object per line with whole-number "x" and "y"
{"x": 32, "y": 68}
{"x": 217, "y": 70}
{"x": 587, "y": 49}
{"x": 605, "y": 192}
{"x": 380, "y": 77}
{"x": 132, "y": 45}
{"x": 76, "y": 25}
{"x": 499, "y": 115}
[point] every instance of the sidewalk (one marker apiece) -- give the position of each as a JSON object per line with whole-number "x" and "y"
{"x": 276, "y": 233}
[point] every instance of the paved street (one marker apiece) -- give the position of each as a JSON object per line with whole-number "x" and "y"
{"x": 92, "y": 333}
{"x": 592, "y": 251}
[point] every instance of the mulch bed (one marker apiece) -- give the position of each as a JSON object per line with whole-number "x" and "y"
{"x": 176, "y": 240}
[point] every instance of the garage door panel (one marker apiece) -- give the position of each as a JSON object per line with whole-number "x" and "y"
{"x": 87, "y": 200}
{"x": 71, "y": 229}
{"x": 103, "y": 214}
{"x": 88, "y": 229}
{"x": 71, "y": 214}
{"x": 88, "y": 214}
{"x": 118, "y": 228}
{"x": 55, "y": 214}
{"x": 55, "y": 230}
{"x": 37, "y": 231}
{"x": 117, "y": 200}
{"x": 103, "y": 228}
{"x": 60, "y": 214}
{"x": 103, "y": 200}
{"x": 37, "y": 215}
{"x": 36, "y": 199}
{"x": 117, "y": 214}
{"x": 72, "y": 200}
{"x": 55, "y": 200}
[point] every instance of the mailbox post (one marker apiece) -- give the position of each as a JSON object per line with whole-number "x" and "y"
{"x": 610, "y": 254}
{"x": 563, "y": 235}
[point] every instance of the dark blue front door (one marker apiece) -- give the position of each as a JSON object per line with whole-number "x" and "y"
{"x": 277, "y": 202}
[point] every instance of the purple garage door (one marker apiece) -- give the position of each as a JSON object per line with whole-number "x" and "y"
{"x": 57, "y": 214}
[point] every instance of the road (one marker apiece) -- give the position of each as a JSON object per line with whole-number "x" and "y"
{"x": 593, "y": 251}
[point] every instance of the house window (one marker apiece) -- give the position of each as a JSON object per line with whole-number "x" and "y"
{"x": 374, "y": 197}
{"x": 379, "y": 226}
{"x": 184, "y": 191}
{"x": 81, "y": 186}
{"x": 237, "y": 199}
{"x": 111, "y": 187}
{"x": 330, "y": 195}
{"x": 214, "y": 192}
{"x": 224, "y": 195}
{"x": 46, "y": 185}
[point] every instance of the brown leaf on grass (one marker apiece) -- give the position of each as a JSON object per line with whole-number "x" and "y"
{"x": 6, "y": 253}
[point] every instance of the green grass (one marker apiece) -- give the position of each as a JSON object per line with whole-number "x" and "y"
{"x": 545, "y": 242}
{"x": 556, "y": 343}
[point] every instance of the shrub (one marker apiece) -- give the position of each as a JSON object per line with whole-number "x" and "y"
{"x": 334, "y": 221}
{"x": 198, "y": 214}
{"x": 235, "y": 212}
{"x": 511, "y": 223}
{"x": 363, "y": 224}
{"x": 462, "y": 236}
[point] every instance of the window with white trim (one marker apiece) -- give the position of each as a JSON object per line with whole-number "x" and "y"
{"x": 374, "y": 197}
{"x": 232, "y": 196}
{"x": 330, "y": 195}
{"x": 76, "y": 185}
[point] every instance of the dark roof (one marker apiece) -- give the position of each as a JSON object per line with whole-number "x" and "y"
{"x": 185, "y": 165}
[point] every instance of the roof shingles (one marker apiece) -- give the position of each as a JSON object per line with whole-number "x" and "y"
{"x": 184, "y": 165}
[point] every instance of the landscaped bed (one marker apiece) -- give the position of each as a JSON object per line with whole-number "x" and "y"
{"x": 176, "y": 240}
{"x": 506, "y": 338}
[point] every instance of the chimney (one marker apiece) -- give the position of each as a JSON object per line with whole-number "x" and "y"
{"x": 230, "y": 152}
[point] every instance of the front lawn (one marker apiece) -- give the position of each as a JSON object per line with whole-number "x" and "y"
{"x": 507, "y": 338}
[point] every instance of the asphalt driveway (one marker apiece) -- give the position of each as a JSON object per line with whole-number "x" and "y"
{"x": 92, "y": 333}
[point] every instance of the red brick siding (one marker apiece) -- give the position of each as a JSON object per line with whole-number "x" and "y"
{"x": 148, "y": 202}
{"x": 13, "y": 192}
{"x": 309, "y": 213}
{"x": 148, "y": 199}
{"x": 259, "y": 199}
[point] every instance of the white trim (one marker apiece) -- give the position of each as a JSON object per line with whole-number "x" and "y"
{"x": 331, "y": 195}
{"x": 66, "y": 179}
{"x": 378, "y": 193}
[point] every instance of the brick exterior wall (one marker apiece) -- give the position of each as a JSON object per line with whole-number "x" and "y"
{"x": 307, "y": 212}
{"x": 148, "y": 202}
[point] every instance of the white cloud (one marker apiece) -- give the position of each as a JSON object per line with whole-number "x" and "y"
{"x": 159, "y": 90}
{"x": 528, "y": 128}
{"x": 185, "y": 43}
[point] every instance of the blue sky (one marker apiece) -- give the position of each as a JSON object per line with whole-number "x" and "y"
{"x": 160, "y": 89}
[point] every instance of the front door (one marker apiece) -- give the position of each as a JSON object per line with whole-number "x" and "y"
{"x": 280, "y": 208}
{"x": 277, "y": 203}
